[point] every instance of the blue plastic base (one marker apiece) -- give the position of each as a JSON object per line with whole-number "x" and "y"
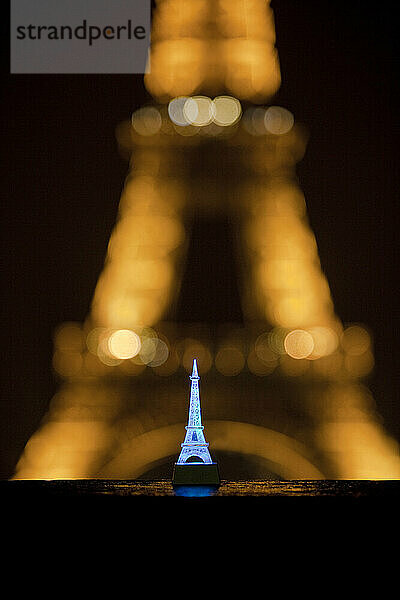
{"x": 196, "y": 474}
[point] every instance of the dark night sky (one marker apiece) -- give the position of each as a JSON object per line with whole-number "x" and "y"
{"x": 62, "y": 178}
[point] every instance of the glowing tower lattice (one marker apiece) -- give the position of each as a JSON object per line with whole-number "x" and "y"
{"x": 195, "y": 445}
{"x": 195, "y": 464}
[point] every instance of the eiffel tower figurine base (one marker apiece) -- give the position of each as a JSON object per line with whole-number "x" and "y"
{"x": 196, "y": 474}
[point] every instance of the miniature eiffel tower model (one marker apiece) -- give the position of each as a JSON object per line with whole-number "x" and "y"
{"x": 195, "y": 465}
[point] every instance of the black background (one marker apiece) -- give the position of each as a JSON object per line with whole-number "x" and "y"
{"x": 62, "y": 179}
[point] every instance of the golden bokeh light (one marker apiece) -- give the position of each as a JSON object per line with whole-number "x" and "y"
{"x": 253, "y": 120}
{"x": 147, "y": 121}
{"x": 124, "y": 344}
{"x": 154, "y": 351}
{"x": 226, "y": 110}
{"x": 278, "y": 120}
{"x": 195, "y": 113}
{"x": 104, "y": 354}
{"x": 229, "y": 360}
{"x": 176, "y": 111}
{"x": 160, "y": 355}
{"x": 170, "y": 366}
{"x": 276, "y": 340}
{"x": 299, "y": 344}
{"x": 148, "y": 349}
{"x": 359, "y": 365}
{"x": 355, "y": 340}
{"x": 263, "y": 349}
{"x": 93, "y": 339}
{"x": 259, "y": 367}
{"x": 198, "y": 111}
{"x": 325, "y": 339}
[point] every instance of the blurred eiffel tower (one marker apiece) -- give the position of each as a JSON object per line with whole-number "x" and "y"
{"x": 211, "y": 189}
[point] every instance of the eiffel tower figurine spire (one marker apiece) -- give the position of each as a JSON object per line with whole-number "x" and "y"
{"x": 195, "y": 465}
